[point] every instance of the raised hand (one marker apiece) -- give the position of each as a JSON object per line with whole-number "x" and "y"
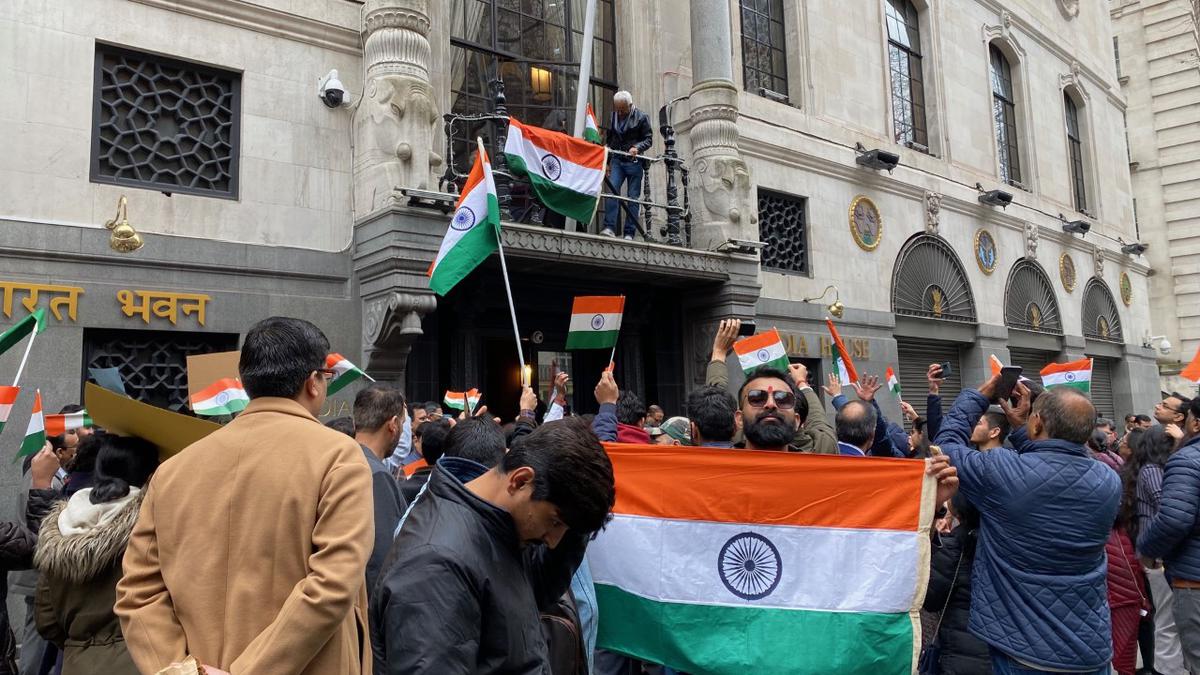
{"x": 799, "y": 374}
{"x": 606, "y": 389}
{"x": 727, "y": 333}
{"x": 909, "y": 412}
{"x": 833, "y": 386}
{"x": 1017, "y": 415}
{"x": 866, "y": 387}
{"x": 934, "y": 376}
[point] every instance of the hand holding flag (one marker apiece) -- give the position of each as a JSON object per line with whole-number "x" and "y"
{"x": 764, "y": 349}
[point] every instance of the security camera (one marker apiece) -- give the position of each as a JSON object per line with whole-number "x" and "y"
{"x": 1136, "y": 248}
{"x": 1164, "y": 345}
{"x": 996, "y": 198}
{"x": 331, "y": 90}
{"x": 877, "y": 160}
{"x": 1081, "y": 227}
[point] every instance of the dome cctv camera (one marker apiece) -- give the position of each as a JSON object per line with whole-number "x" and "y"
{"x": 331, "y": 90}
{"x": 1164, "y": 346}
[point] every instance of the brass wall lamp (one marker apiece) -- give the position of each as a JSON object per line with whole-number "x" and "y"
{"x": 124, "y": 238}
{"x": 836, "y": 308}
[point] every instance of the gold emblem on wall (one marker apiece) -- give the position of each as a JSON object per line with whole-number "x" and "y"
{"x": 937, "y": 300}
{"x": 1102, "y": 327}
{"x": 1066, "y": 271}
{"x": 985, "y": 251}
{"x": 1126, "y": 289}
{"x": 865, "y": 223}
{"x": 1035, "y": 316}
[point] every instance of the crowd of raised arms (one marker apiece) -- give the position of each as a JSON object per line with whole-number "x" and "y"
{"x": 408, "y": 539}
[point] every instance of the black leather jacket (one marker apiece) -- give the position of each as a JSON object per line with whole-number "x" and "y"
{"x": 637, "y": 132}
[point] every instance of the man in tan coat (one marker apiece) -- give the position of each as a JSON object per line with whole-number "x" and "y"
{"x": 251, "y": 545}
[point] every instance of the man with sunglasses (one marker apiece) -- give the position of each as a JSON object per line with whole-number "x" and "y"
{"x": 770, "y": 410}
{"x": 251, "y": 544}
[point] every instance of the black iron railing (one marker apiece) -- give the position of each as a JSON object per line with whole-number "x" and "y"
{"x": 519, "y": 204}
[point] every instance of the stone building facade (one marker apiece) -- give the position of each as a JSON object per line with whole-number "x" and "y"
{"x": 1158, "y": 54}
{"x": 249, "y": 190}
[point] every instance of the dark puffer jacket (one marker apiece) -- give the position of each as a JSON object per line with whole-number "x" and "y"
{"x": 961, "y": 652}
{"x": 1038, "y": 586}
{"x": 1174, "y": 534}
{"x": 16, "y": 553}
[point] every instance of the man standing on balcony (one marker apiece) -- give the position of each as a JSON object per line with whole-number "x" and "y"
{"x": 629, "y": 132}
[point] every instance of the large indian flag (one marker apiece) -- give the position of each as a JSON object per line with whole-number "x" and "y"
{"x": 595, "y": 321}
{"x": 474, "y": 231}
{"x": 1075, "y": 374}
{"x": 803, "y": 564}
{"x": 764, "y": 349}
{"x": 567, "y": 173}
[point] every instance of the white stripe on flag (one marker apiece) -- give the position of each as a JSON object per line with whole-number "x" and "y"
{"x": 1069, "y": 377}
{"x": 5, "y": 411}
{"x": 758, "y": 357}
{"x": 822, "y": 568}
{"x": 476, "y": 201}
{"x": 574, "y": 177}
{"x": 588, "y": 323}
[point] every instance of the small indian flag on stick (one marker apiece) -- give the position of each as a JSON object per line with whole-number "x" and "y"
{"x": 8, "y": 397}
{"x": 892, "y": 382}
{"x": 1076, "y": 374}
{"x": 566, "y": 173}
{"x": 344, "y": 372}
{"x": 846, "y": 367}
{"x": 35, "y": 433}
{"x": 459, "y": 399}
{"x": 595, "y": 321}
{"x": 764, "y": 349}
{"x": 474, "y": 232}
{"x": 226, "y": 396}
{"x": 839, "y": 371}
{"x": 23, "y": 328}
{"x": 591, "y": 130}
{"x": 57, "y": 425}
{"x": 995, "y": 364}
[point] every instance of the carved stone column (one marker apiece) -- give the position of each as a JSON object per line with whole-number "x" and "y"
{"x": 395, "y": 126}
{"x": 391, "y": 324}
{"x": 720, "y": 186}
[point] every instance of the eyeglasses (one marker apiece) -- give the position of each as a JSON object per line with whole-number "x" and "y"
{"x": 1164, "y": 406}
{"x": 327, "y": 372}
{"x": 784, "y": 400}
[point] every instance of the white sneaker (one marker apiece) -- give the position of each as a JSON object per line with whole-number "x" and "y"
{"x": 607, "y": 233}
{"x": 629, "y": 237}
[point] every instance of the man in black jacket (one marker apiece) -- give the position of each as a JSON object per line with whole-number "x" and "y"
{"x": 629, "y": 132}
{"x": 468, "y": 574}
{"x": 379, "y": 412}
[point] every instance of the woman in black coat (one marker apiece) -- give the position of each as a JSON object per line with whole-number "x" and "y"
{"x": 950, "y": 589}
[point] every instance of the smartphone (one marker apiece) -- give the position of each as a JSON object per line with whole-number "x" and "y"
{"x": 1009, "y": 375}
{"x": 947, "y": 369}
{"x": 748, "y": 328}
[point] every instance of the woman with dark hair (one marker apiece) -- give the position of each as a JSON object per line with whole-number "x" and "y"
{"x": 1142, "y": 478}
{"x": 79, "y": 552}
{"x": 948, "y": 596}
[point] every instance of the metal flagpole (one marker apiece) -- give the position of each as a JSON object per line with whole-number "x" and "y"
{"x": 512, "y": 310}
{"x": 28, "y": 348}
{"x": 583, "y": 86}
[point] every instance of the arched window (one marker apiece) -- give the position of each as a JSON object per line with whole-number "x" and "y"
{"x": 929, "y": 281}
{"x": 1029, "y": 300}
{"x": 1004, "y": 116}
{"x": 1100, "y": 318}
{"x": 908, "y": 83}
{"x": 1075, "y": 153}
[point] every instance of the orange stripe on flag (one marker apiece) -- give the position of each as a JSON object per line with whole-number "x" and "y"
{"x": 1082, "y": 364}
{"x": 756, "y": 342}
{"x": 768, "y": 488}
{"x": 413, "y": 467}
{"x": 1192, "y": 372}
{"x": 216, "y": 388}
{"x": 574, "y": 150}
{"x": 8, "y": 395}
{"x": 837, "y": 341}
{"x": 996, "y": 365}
{"x": 598, "y": 304}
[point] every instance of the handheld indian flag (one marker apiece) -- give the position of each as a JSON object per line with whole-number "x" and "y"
{"x": 1076, "y": 374}
{"x": 474, "y": 231}
{"x": 35, "y": 433}
{"x": 595, "y": 321}
{"x": 591, "y": 130}
{"x": 20, "y": 330}
{"x": 56, "y": 425}
{"x": 1192, "y": 371}
{"x": 567, "y": 173}
{"x": 8, "y": 397}
{"x": 847, "y": 366}
{"x": 839, "y": 371}
{"x": 460, "y": 400}
{"x": 995, "y": 364}
{"x": 344, "y": 372}
{"x": 226, "y": 396}
{"x": 892, "y": 382}
{"x": 772, "y": 577}
{"x": 764, "y": 349}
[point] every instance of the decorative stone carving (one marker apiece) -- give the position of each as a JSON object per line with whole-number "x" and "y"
{"x": 1069, "y": 8}
{"x": 1031, "y": 240}
{"x": 522, "y": 241}
{"x": 1074, "y": 80}
{"x": 1004, "y": 31}
{"x": 933, "y": 210}
{"x": 1098, "y": 260}
{"x": 391, "y": 324}
{"x": 395, "y": 126}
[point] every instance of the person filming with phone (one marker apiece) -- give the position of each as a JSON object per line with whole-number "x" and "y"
{"x": 1039, "y": 595}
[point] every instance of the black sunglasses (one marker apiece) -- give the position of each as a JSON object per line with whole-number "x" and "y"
{"x": 784, "y": 400}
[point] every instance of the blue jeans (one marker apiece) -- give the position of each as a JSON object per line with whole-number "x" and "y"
{"x": 1003, "y": 664}
{"x": 622, "y": 171}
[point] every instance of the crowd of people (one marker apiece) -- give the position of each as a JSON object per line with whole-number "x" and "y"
{"x": 405, "y": 540}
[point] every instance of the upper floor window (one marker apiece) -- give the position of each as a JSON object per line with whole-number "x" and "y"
{"x": 764, "y": 56}
{"x": 1075, "y": 153}
{"x": 164, "y": 124}
{"x": 1004, "y": 116}
{"x": 783, "y": 228}
{"x": 908, "y": 84}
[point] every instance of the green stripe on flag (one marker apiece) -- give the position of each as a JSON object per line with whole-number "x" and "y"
{"x": 553, "y": 196}
{"x": 472, "y": 249}
{"x": 22, "y": 329}
{"x": 1085, "y": 386}
{"x": 781, "y": 364}
{"x": 732, "y": 639}
{"x": 591, "y": 135}
{"x": 598, "y": 339}
{"x": 32, "y": 444}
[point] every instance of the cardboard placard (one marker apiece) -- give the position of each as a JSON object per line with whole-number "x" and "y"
{"x": 169, "y": 431}
{"x": 204, "y": 369}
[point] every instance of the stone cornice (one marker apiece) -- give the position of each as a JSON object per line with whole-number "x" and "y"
{"x": 249, "y": 16}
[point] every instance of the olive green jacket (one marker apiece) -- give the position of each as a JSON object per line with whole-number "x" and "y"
{"x": 816, "y": 436}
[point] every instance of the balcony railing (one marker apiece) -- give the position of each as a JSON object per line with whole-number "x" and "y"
{"x": 518, "y": 203}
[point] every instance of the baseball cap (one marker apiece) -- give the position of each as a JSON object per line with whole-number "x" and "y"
{"x": 679, "y": 428}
